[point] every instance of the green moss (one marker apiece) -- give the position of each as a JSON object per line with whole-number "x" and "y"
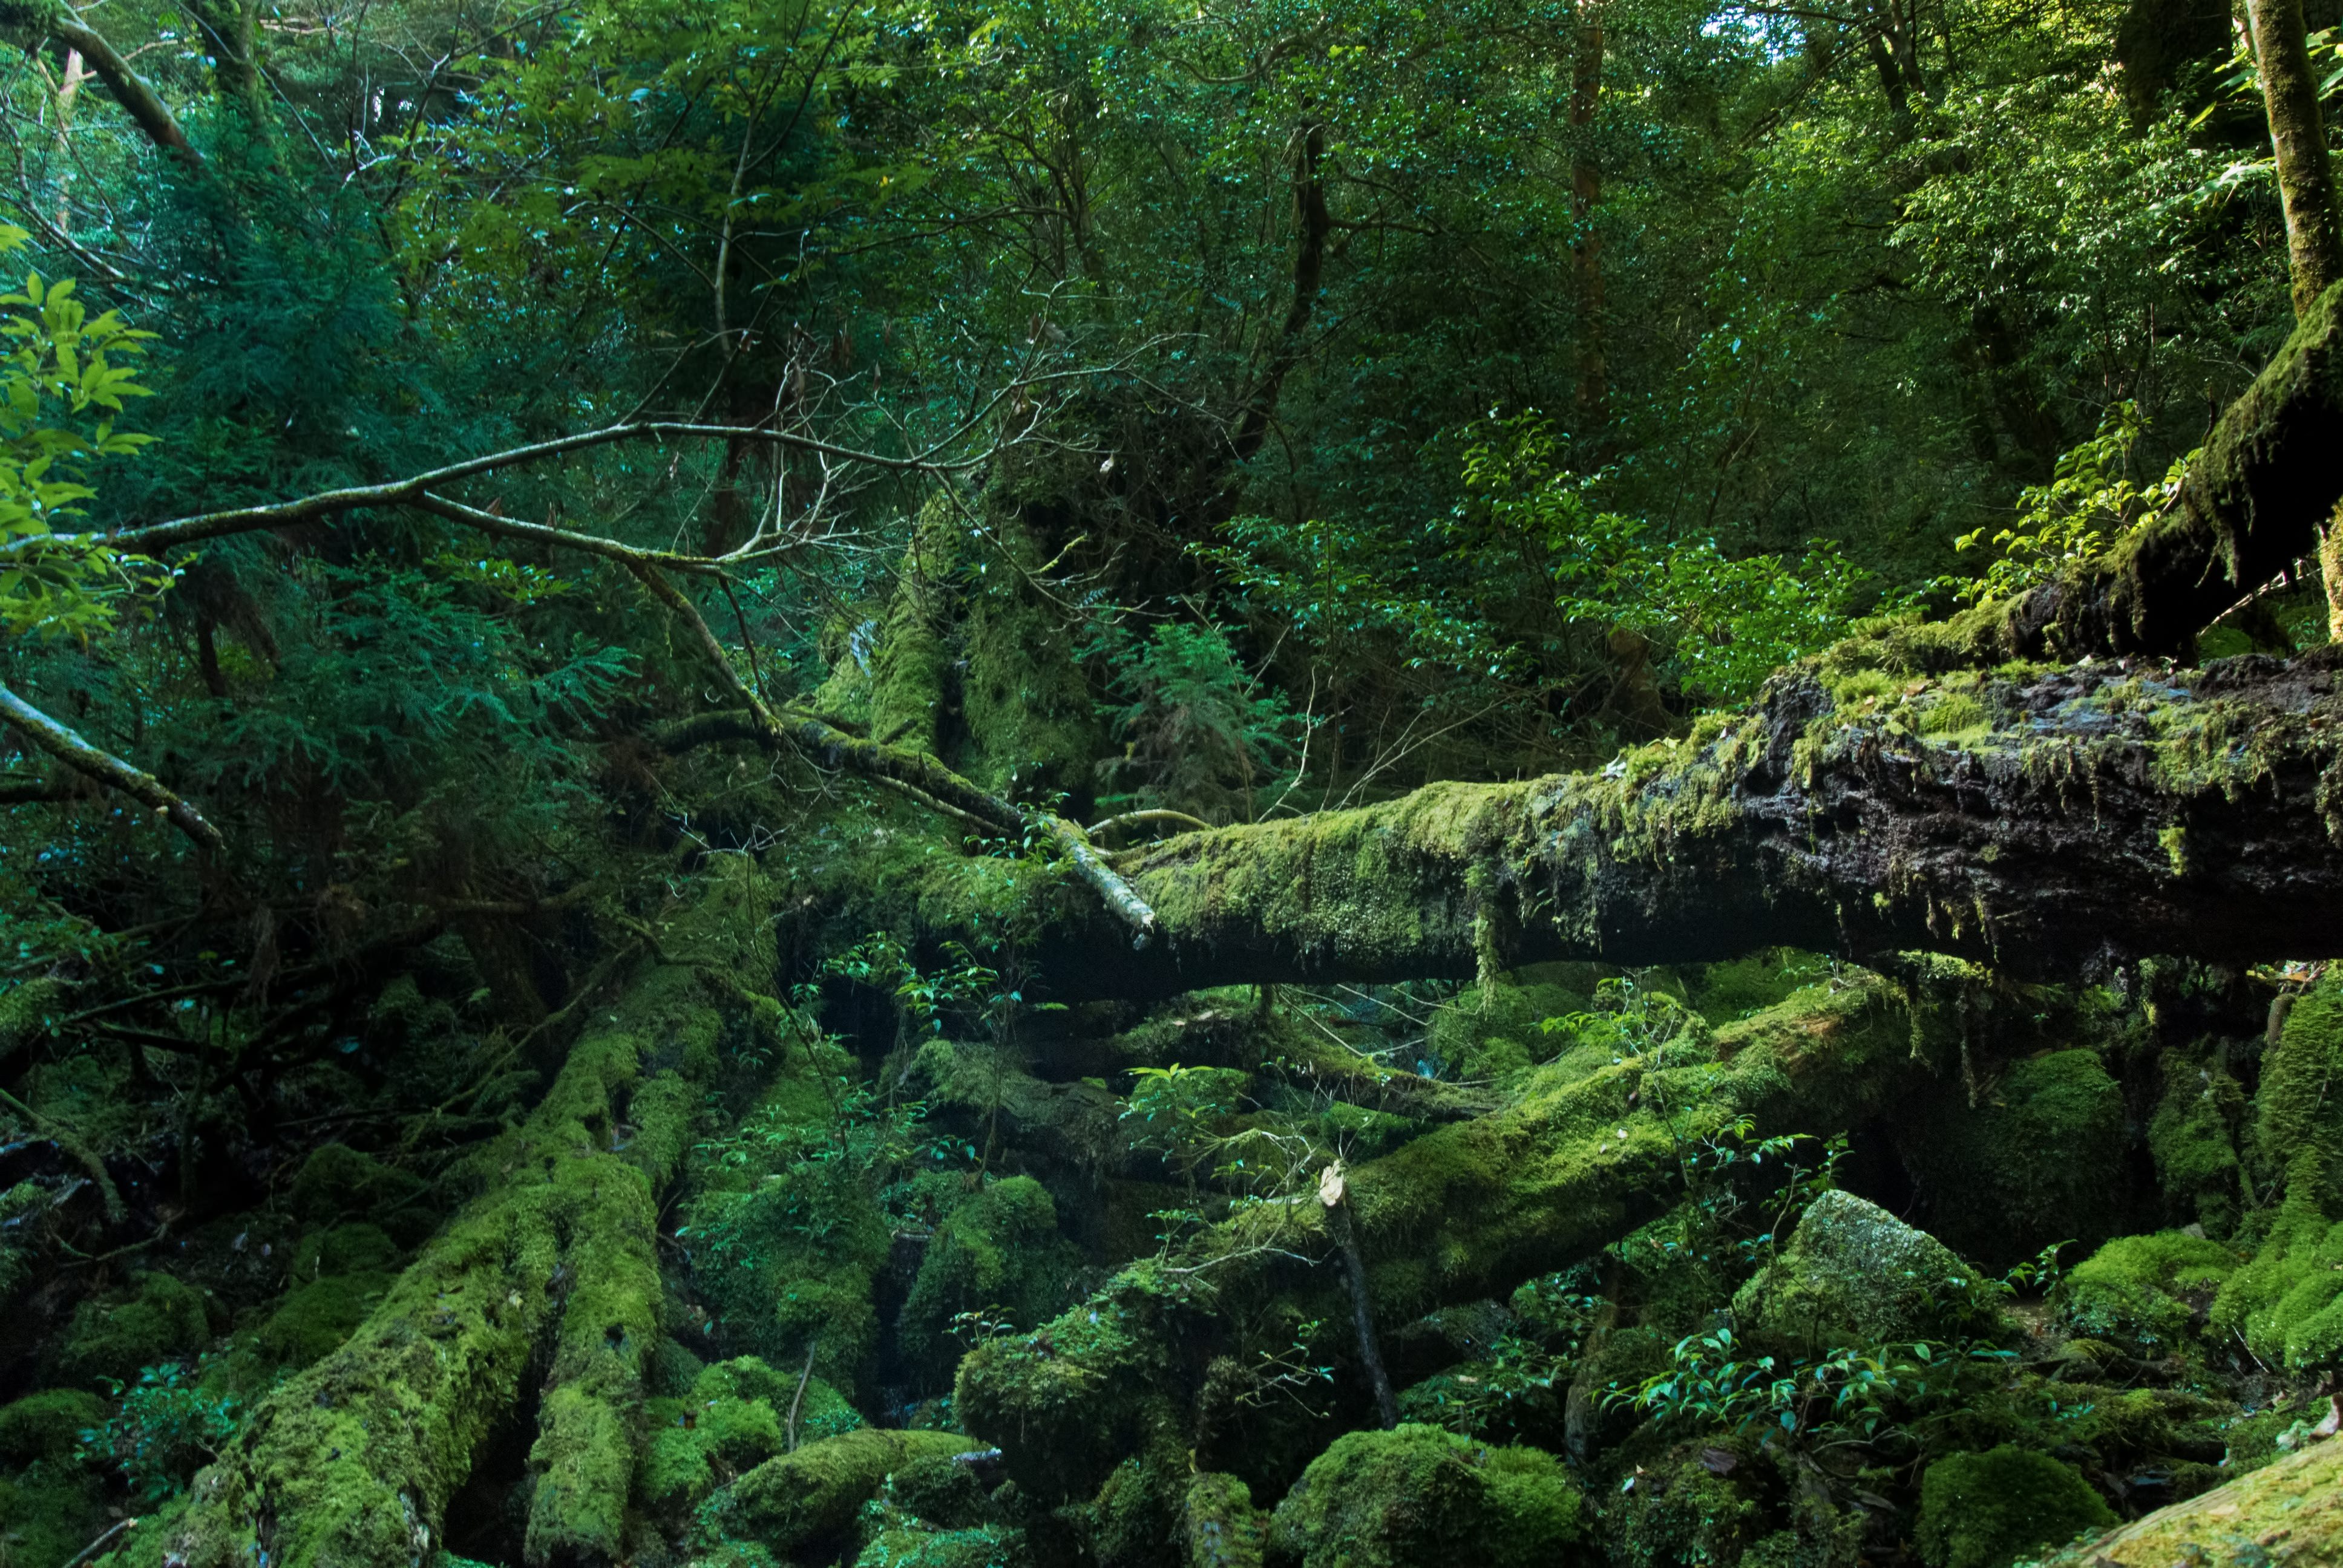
{"x": 911, "y": 1545}
{"x": 698, "y": 1442}
{"x": 549, "y": 1274}
{"x": 1853, "y": 1275}
{"x": 1398, "y": 1498}
{"x": 1987, "y": 1510}
{"x": 162, "y": 1320}
{"x": 2299, "y": 1130}
{"x": 48, "y": 1513}
{"x": 344, "y": 1249}
{"x": 2196, "y": 1151}
{"x": 2146, "y": 1291}
{"x": 338, "y": 1182}
{"x": 1489, "y": 1031}
{"x": 48, "y": 1425}
{"x": 2028, "y": 1164}
{"x": 1000, "y": 1249}
{"x": 313, "y": 1320}
{"x": 1224, "y": 1529}
{"x": 1071, "y": 1400}
{"x": 2290, "y": 1512}
{"x": 2287, "y": 1302}
{"x": 795, "y": 1501}
{"x": 1677, "y": 1510}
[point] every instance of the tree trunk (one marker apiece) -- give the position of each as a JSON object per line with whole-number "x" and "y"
{"x": 1585, "y": 195}
{"x": 2035, "y": 819}
{"x": 2306, "y": 181}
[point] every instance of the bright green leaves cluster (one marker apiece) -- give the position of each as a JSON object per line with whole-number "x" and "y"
{"x": 1727, "y": 622}
{"x": 2090, "y": 504}
{"x": 62, "y": 380}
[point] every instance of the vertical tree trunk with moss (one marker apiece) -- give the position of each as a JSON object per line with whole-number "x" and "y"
{"x": 2305, "y": 176}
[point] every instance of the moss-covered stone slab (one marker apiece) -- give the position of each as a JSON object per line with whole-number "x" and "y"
{"x": 2288, "y": 1515}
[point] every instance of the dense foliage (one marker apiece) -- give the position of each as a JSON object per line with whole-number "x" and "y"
{"x": 491, "y": 496}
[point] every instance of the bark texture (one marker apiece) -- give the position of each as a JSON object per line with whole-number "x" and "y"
{"x": 2305, "y": 180}
{"x": 2036, "y": 819}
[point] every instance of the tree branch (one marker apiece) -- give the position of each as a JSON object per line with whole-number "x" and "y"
{"x": 26, "y": 23}
{"x": 68, "y": 748}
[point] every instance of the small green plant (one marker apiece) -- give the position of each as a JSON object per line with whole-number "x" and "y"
{"x": 2089, "y": 503}
{"x": 1855, "y": 1394}
{"x": 167, "y": 1429}
{"x": 1198, "y": 734}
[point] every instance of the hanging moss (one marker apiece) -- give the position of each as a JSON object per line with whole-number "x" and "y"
{"x": 1399, "y": 1498}
{"x": 1987, "y": 1510}
{"x": 2149, "y": 1292}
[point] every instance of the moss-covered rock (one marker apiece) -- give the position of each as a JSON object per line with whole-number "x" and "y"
{"x": 1493, "y": 1029}
{"x": 48, "y": 1425}
{"x": 2146, "y": 1291}
{"x": 1224, "y": 1529}
{"x": 161, "y": 1320}
{"x": 48, "y": 1513}
{"x": 2287, "y": 1512}
{"x": 2028, "y": 1164}
{"x": 1000, "y": 1249}
{"x": 338, "y": 1182}
{"x": 1853, "y": 1274}
{"x": 1068, "y": 1402}
{"x": 314, "y": 1319}
{"x": 2287, "y": 1301}
{"x": 1987, "y": 1510}
{"x": 813, "y": 1496}
{"x": 1684, "y": 1508}
{"x": 1416, "y": 1493}
{"x": 2298, "y": 1117}
{"x": 2193, "y": 1141}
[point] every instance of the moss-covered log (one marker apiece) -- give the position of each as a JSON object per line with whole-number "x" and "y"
{"x": 2035, "y": 818}
{"x": 355, "y": 1461}
{"x": 549, "y": 1274}
{"x": 1582, "y": 1158}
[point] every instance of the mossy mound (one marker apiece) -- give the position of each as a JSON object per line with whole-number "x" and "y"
{"x": 796, "y": 1501}
{"x": 1987, "y": 1510}
{"x": 1492, "y": 1030}
{"x": 1393, "y": 1499}
{"x": 2193, "y": 1138}
{"x": 47, "y": 1515}
{"x": 2287, "y": 1301}
{"x": 314, "y": 1319}
{"x": 2289, "y": 1512}
{"x": 2029, "y": 1164}
{"x": 1854, "y": 1274}
{"x": 338, "y": 1182}
{"x": 2146, "y": 1291}
{"x": 1224, "y": 1529}
{"x": 162, "y": 1320}
{"x": 47, "y": 1426}
{"x": 1000, "y": 1249}
{"x": 1683, "y": 1507}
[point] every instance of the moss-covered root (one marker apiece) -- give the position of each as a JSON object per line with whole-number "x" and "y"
{"x": 813, "y": 1496}
{"x": 353, "y": 1463}
{"x": 2288, "y": 1512}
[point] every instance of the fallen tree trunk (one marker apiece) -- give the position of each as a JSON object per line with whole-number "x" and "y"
{"x": 2037, "y": 820}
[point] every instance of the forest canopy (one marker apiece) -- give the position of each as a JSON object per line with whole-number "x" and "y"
{"x": 1175, "y": 784}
